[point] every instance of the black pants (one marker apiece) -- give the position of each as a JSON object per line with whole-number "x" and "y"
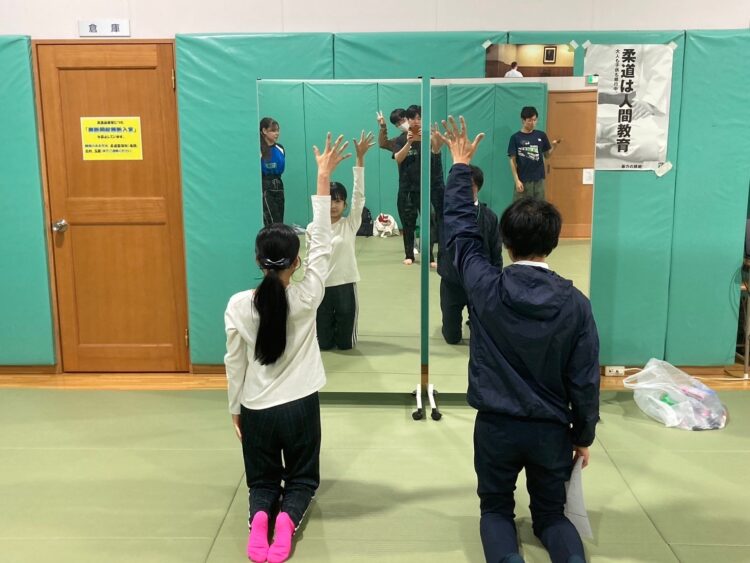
{"x": 273, "y": 200}
{"x": 434, "y": 234}
{"x": 408, "y": 210}
{"x": 452, "y": 302}
{"x": 336, "y": 320}
{"x": 502, "y": 447}
{"x": 291, "y": 429}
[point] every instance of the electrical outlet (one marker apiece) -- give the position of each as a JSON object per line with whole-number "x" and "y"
{"x": 616, "y": 371}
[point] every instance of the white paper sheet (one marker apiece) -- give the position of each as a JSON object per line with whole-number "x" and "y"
{"x": 575, "y": 508}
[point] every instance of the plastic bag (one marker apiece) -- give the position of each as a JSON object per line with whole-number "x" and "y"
{"x": 674, "y": 398}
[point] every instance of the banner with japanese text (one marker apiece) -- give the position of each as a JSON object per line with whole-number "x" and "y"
{"x": 635, "y": 84}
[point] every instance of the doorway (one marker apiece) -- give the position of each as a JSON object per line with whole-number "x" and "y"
{"x": 571, "y": 116}
{"x": 111, "y": 148}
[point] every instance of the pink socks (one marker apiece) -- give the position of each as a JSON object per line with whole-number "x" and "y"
{"x": 257, "y": 542}
{"x": 282, "y": 539}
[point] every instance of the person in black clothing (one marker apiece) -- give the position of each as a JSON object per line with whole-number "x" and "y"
{"x": 398, "y": 119}
{"x": 452, "y": 295}
{"x": 533, "y": 365}
{"x": 407, "y": 152}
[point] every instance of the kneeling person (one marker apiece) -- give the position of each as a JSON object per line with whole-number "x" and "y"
{"x": 533, "y": 366}
{"x": 336, "y": 320}
{"x": 453, "y": 297}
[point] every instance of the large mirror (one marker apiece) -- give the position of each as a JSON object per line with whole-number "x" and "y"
{"x": 566, "y": 110}
{"x": 369, "y": 332}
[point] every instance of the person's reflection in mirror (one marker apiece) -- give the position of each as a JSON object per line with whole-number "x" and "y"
{"x": 336, "y": 319}
{"x": 453, "y": 297}
{"x": 533, "y": 365}
{"x": 407, "y": 152}
{"x": 513, "y": 72}
{"x": 397, "y": 118}
{"x": 272, "y": 163}
{"x": 527, "y": 150}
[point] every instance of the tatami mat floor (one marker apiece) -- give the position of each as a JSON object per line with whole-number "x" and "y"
{"x": 91, "y": 476}
{"x": 156, "y": 476}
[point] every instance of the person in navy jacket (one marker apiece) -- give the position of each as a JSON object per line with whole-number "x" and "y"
{"x": 533, "y": 365}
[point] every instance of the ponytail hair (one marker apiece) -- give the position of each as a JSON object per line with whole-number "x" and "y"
{"x": 276, "y": 248}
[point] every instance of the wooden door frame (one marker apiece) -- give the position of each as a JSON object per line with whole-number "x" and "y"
{"x": 593, "y": 186}
{"x": 57, "y": 368}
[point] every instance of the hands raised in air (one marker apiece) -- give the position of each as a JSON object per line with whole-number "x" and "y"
{"x": 365, "y": 143}
{"x": 456, "y": 137}
{"x": 332, "y": 154}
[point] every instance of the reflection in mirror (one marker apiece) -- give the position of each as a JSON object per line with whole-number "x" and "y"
{"x": 272, "y": 163}
{"x": 368, "y": 323}
{"x": 553, "y": 150}
{"x": 519, "y": 61}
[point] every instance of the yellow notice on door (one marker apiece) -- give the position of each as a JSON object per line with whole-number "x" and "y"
{"x": 111, "y": 138}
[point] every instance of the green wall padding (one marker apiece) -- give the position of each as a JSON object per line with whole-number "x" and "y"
{"x": 497, "y": 105}
{"x": 632, "y": 224}
{"x": 477, "y": 104}
{"x": 713, "y": 168}
{"x": 409, "y": 55}
{"x": 217, "y": 99}
{"x": 26, "y": 331}
{"x": 344, "y": 109}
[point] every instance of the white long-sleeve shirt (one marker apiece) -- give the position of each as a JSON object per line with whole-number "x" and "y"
{"x": 343, "y": 268}
{"x": 299, "y": 371}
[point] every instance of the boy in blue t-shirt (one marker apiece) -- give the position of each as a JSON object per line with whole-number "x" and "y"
{"x": 527, "y": 149}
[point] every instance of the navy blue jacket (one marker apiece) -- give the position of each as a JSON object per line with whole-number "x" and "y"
{"x": 489, "y": 227}
{"x": 534, "y": 345}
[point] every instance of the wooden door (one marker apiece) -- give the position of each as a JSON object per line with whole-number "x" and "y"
{"x": 571, "y": 116}
{"x": 119, "y": 264}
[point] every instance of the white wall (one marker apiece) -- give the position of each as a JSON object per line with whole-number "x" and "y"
{"x": 57, "y": 19}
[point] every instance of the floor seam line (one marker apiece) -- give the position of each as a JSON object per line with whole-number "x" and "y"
{"x": 224, "y": 519}
{"x": 637, "y": 500}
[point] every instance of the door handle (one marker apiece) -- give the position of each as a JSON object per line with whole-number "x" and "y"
{"x": 60, "y": 226}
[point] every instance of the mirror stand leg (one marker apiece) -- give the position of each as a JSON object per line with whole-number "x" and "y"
{"x": 419, "y": 413}
{"x": 431, "y": 392}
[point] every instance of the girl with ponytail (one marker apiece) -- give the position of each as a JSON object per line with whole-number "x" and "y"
{"x": 274, "y": 371}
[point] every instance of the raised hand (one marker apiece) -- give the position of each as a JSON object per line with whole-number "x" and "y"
{"x": 436, "y": 143}
{"x": 332, "y": 155}
{"x": 365, "y": 143}
{"x": 455, "y": 136}
{"x": 380, "y": 118}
